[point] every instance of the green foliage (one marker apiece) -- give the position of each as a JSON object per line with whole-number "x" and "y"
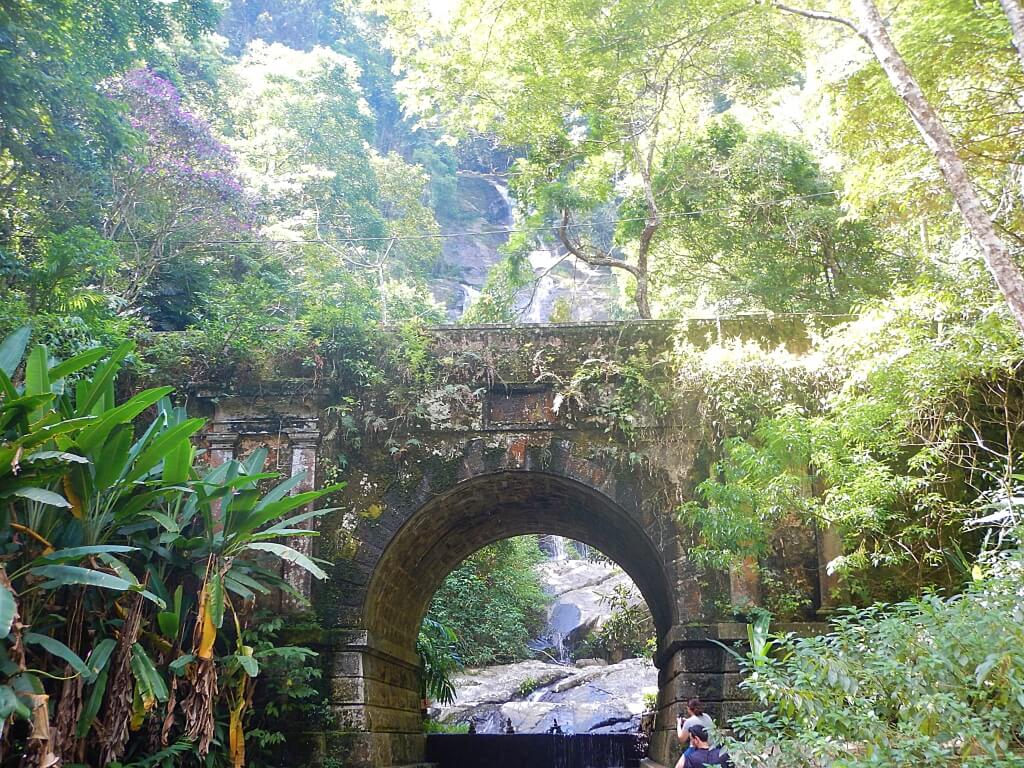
{"x": 620, "y": 396}
{"x": 287, "y": 689}
{"x": 627, "y": 633}
{"x": 439, "y": 660}
{"x": 493, "y": 602}
{"x": 962, "y": 57}
{"x": 920, "y": 428}
{"x": 528, "y": 686}
{"x": 752, "y": 223}
{"x": 135, "y": 571}
{"x": 54, "y": 55}
{"x": 938, "y": 680}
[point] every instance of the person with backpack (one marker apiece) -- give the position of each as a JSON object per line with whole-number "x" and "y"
{"x": 703, "y": 753}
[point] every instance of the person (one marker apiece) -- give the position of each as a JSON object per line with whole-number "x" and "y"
{"x": 703, "y": 754}
{"x": 697, "y": 716}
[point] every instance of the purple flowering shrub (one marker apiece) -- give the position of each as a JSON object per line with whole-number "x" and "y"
{"x": 184, "y": 177}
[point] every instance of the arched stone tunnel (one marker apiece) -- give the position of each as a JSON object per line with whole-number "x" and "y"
{"x": 498, "y": 458}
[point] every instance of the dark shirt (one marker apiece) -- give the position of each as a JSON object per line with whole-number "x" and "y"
{"x": 701, "y": 757}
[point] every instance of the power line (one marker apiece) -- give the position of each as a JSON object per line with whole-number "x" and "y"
{"x": 443, "y": 235}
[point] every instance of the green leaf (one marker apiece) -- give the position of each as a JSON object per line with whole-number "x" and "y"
{"x": 63, "y": 575}
{"x": 166, "y": 443}
{"x": 42, "y": 496}
{"x": 169, "y": 624}
{"x": 291, "y": 555}
{"x": 111, "y": 458}
{"x": 167, "y": 522}
{"x": 70, "y": 554}
{"x": 13, "y": 349}
{"x": 100, "y": 655}
{"x": 178, "y": 665}
{"x": 92, "y": 706}
{"x": 10, "y": 705}
{"x": 103, "y": 379}
{"x": 69, "y": 458}
{"x": 94, "y": 434}
{"x": 146, "y": 673}
{"x": 178, "y": 463}
{"x": 275, "y": 510}
{"x": 57, "y": 648}
{"x": 216, "y": 587}
{"x": 8, "y": 607}
{"x": 37, "y": 372}
{"x": 77, "y": 363}
{"x": 249, "y": 664}
{"x": 7, "y": 386}
{"x": 281, "y": 490}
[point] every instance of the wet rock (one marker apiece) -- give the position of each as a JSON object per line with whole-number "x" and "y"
{"x": 597, "y": 699}
{"x": 580, "y": 591}
{"x": 584, "y": 663}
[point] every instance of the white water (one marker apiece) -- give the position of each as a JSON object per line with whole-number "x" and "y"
{"x": 469, "y": 295}
{"x": 583, "y": 285}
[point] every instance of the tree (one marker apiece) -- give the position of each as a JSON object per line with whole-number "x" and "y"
{"x": 757, "y": 225}
{"x": 53, "y": 56}
{"x": 98, "y": 521}
{"x": 177, "y": 189}
{"x": 493, "y": 602}
{"x": 870, "y": 27}
{"x": 365, "y": 211}
{"x": 592, "y": 92}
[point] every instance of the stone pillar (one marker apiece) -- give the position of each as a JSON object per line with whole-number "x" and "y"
{"x": 692, "y": 665}
{"x": 829, "y": 548}
{"x": 303, "y": 445}
{"x": 222, "y": 447}
{"x": 374, "y": 701}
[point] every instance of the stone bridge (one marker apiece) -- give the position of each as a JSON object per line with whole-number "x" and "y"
{"x": 517, "y": 429}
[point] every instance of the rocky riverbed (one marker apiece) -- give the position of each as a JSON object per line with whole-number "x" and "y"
{"x": 603, "y": 698}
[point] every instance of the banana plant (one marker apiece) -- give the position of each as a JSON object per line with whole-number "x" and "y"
{"x": 73, "y": 478}
{"x": 121, "y": 561}
{"x": 229, "y": 528}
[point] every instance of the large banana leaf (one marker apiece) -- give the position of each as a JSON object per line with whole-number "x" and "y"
{"x": 12, "y": 349}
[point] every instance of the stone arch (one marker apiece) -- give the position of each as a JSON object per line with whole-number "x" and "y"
{"x": 476, "y": 512}
{"x": 426, "y": 535}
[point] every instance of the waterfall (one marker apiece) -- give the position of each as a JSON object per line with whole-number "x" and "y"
{"x": 558, "y": 545}
{"x": 469, "y": 295}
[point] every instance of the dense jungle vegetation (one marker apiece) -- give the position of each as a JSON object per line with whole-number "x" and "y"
{"x": 275, "y": 180}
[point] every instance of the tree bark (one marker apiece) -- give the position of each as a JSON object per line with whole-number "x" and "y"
{"x": 995, "y": 252}
{"x": 1015, "y": 14}
{"x": 870, "y": 27}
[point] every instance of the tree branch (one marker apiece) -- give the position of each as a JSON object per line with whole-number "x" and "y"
{"x": 819, "y": 16}
{"x": 593, "y": 259}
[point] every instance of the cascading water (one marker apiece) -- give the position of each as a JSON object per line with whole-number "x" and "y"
{"x": 584, "y": 286}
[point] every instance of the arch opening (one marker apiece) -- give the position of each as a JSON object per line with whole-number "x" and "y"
{"x": 452, "y": 526}
{"x": 573, "y": 662}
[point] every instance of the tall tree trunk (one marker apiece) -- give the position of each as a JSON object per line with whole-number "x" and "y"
{"x": 870, "y": 27}
{"x": 1015, "y": 14}
{"x": 997, "y": 256}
